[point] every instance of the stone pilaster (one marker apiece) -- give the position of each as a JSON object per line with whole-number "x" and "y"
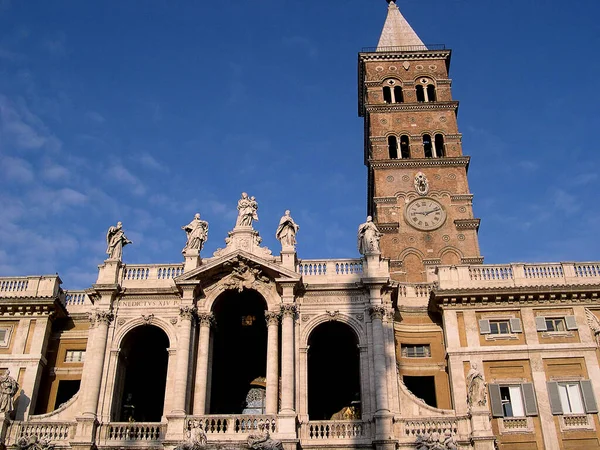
{"x": 272, "y": 399}
{"x": 206, "y": 320}
{"x": 187, "y": 316}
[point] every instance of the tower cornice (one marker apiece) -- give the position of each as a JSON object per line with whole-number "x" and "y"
{"x": 429, "y": 106}
{"x": 461, "y": 161}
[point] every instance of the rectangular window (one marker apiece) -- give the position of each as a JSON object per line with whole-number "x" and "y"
{"x": 5, "y": 336}
{"x": 499, "y": 327}
{"x": 73, "y": 356}
{"x": 570, "y": 398}
{"x": 556, "y": 324}
{"x": 416, "y": 351}
{"x": 512, "y": 401}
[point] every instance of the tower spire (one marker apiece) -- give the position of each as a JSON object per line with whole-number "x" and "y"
{"x": 397, "y": 32}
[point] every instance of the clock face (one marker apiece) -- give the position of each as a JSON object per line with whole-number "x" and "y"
{"x": 425, "y": 214}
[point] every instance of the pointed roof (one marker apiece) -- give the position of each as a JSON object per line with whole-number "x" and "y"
{"x": 397, "y": 32}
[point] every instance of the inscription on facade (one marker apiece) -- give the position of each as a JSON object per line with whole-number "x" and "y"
{"x": 148, "y": 303}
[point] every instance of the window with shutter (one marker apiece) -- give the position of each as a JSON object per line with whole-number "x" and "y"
{"x": 589, "y": 399}
{"x": 484, "y": 326}
{"x": 540, "y": 323}
{"x": 554, "y": 397}
{"x": 495, "y": 400}
{"x": 571, "y": 322}
{"x": 570, "y": 397}
{"x": 530, "y": 400}
{"x": 515, "y": 325}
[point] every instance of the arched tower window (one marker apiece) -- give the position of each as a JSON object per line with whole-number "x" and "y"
{"x": 393, "y": 147}
{"x": 387, "y": 94}
{"x": 427, "y": 146}
{"x": 398, "y": 96}
{"x": 425, "y": 90}
{"x": 439, "y": 146}
{"x": 404, "y": 147}
{"x": 420, "y": 93}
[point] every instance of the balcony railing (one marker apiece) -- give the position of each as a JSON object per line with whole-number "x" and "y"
{"x": 335, "y": 430}
{"x": 330, "y": 268}
{"x": 242, "y": 424}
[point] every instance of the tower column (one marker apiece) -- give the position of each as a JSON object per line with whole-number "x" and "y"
{"x": 272, "y": 399}
{"x": 205, "y": 320}
{"x": 187, "y": 315}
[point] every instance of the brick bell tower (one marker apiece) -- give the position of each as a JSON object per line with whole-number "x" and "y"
{"x": 418, "y": 193}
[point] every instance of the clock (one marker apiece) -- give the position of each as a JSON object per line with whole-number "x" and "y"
{"x": 425, "y": 214}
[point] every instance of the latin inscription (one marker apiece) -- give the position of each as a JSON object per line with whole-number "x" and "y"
{"x": 148, "y": 303}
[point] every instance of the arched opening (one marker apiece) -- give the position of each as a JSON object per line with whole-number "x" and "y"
{"x": 431, "y": 93}
{"x": 141, "y": 375}
{"x": 427, "y": 146}
{"x": 333, "y": 373}
{"x": 404, "y": 146}
{"x": 450, "y": 258}
{"x": 439, "y": 146}
{"x": 398, "y": 96}
{"x": 420, "y": 93}
{"x": 393, "y": 147}
{"x": 387, "y": 94}
{"x": 239, "y": 358}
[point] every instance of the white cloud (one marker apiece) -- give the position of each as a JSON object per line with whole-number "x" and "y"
{"x": 148, "y": 161}
{"x": 54, "y": 172}
{"x": 95, "y": 117}
{"x": 16, "y": 169}
{"x": 122, "y": 175}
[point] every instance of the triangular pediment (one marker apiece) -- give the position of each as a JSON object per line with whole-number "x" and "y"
{"x": 240, "y": 265}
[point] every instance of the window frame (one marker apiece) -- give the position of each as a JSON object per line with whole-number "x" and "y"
{"x": 5, "y": 343}
{"x": 80, "y": 360}
{"x": 405, "y": 350}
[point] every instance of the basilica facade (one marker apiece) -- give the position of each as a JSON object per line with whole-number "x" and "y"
{"x": 416, "y": 345}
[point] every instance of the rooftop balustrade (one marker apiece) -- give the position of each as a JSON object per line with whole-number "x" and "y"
{"x": 31, "y": 286}
{"x": 330, "y": 270}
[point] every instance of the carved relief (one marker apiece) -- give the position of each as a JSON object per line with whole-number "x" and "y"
{"x": 476, "y": 387}
{"x": 147, "y": 319}
{"x": 436, "y": 441}
{"x": 272, "y": 318}
{"x": 594, "y": 324}
{"x": 377, "y": 312}
{"x": 244, "y": 275}
{"x": 333, "y": 315}
{"x": 34, "y": 443}
{"x": 187, "y": 312}
{"x": 101, "y": 317}
{"x": 288, "y": 310}
{"x": 421, "y": 184}
{"x": 206, "y": 319}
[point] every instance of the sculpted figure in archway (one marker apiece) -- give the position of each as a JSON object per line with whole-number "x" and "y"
{"x": 262, "y": 440}
{"x": 115, "y": 241}
{"x": 197, "y": 234}
{"x": 286, "y": 231}
{"x": 247, "y": 208}
{"x": 475, "y": 387}
{"x": 368, "y": 237}
{"x": 8, "y": 389}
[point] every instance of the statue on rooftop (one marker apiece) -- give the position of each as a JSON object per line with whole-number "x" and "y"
{"x": 286, "y": 231}
{"x": 247, "y": 208}
{"x": 368, "y": 237}
{"x": 197, "y": 234}
{"x": 116, "y": 240}
{"x": 8, "y": 389}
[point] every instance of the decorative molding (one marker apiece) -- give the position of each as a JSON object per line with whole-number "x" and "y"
{"x": 206, "y": 319}
{"x": 432, "y": 262}
{"x": 378, "y": 200}
{"x": 288, "y": 310}
{"x": 425, "y": 106}
{"x": 272, "y": 318}
{"x": 187, "y": 312}
{"x": 173, "y": 320}
{"x": 98, "y": 317}
{"x": 148, "y": 319}
{"x": 461, "y": 161}
{"x": 476, "y": 260}
{"x": 377, "y": 312}
{"x": 467, "y": 224}
{"x": 461, "y": 198}
{"x": 388, "y": 228}
{"x": 333, "y": 315}
{"x": 400, "y": 55}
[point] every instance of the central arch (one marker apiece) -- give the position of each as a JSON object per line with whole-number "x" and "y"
{"x": 239, "y": 356}
{"x": 333, "y": 373}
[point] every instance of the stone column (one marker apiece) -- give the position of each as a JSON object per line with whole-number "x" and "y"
{"x": 381, "y": 388}
{"x": 272, "y": 399}
{"x": 95, "y": 362}
{"x": 187, "y": 315}
{"x": 206, "y": 320}
{"x": 287, "y": 358}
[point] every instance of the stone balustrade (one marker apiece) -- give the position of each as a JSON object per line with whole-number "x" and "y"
{"x": 233, "y": 424}
{"x": 115, "y": 433}
{"x": 415, "y": 290}
{"x": 515, "y": 275}
{"x": 331, "y": 269}
{"x": 32, "y": 286}
{"x": 335, "y": 430}
{"x": 149, "y": 275}
{"x": 77, "y": 302}
{"x": 58, "y": 433}
{"x": 408, "y": 429}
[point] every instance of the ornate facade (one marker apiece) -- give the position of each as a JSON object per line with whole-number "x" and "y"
{"x": 416, "y": 345}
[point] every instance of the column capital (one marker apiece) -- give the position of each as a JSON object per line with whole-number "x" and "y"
{"x": 206, "y": 319}
{"x": 272, "y": 318}
{"x": 288, "y": 310}
{"x": 187, "y": 312}
{"x": 98, "y": 317}
{"x": 377, "y": 312}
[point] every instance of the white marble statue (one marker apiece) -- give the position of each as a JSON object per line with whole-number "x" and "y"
{"x": 262, "y": 440}
{"x": 475, "y": 387}
{"x": 8, "y": 390}
{"x": 421, "y": 184}
{"x": 197, "y": 234}
{"x": 247, "y": 208}
{"x": 115, "y": 241}
{"x": 286, "y": 231}
{"x": 368, "y": 237}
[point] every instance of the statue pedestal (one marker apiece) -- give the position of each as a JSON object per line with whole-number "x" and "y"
{"x": 4, "y": 423}
{"x": 374, "y": 266}
{"x": 108, "y": 273}
{"x": 192, "y": 259}
{"x": 481, "y": 428}
{"x": 288, "y": 258}
{"x": 246, "y": 239}
{"x": 85, "y": 433}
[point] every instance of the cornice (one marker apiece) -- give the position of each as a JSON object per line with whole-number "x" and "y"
{"x": 461, "y": 197}
{"x": 426, "y": 106}
{"x": 477, "y": 260}
{"x": 412, "y": 163}
{"x": 467, "y": 224}
{"x": 388, "y": 227}
{"x": 400, "y": 55}
{"x": 384, "y": 199}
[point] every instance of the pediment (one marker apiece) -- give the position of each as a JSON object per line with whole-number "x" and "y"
{"x": 238, "y": 269}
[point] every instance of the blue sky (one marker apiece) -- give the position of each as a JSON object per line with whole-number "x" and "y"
{"x": 148, "y": 112}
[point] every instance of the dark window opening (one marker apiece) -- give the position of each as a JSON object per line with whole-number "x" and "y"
{"x": 431, "y": 93}
{"x": 398, "y": 96}
{"x": 66, "y": 390}
{"x": 420, "y": 93}
{"x": 333, "y": 373}
{"x": 499, "y": 327}
{"x": 393, "y": 147}
{"x": 427, "y": 146}
{"x": 239, "y": 358}
{"x": 143, "y": 361}
{"x": 387, "y": 94}
{"x": 404, "y": 147}
{"x": 422, "y": 387}
{"x": 439, "y": 146}
{"x": 555, "y": 324}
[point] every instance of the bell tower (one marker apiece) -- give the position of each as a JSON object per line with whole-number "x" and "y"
{"x": 418, "y": 193}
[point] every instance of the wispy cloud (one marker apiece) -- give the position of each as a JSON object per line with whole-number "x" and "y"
{"x": 148, "y": 161}
{"x": 16, "y": 169}
{"x": 302, "y": 42}
{"x": 120, "y": 174}
{"x": 95, "y": 117}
